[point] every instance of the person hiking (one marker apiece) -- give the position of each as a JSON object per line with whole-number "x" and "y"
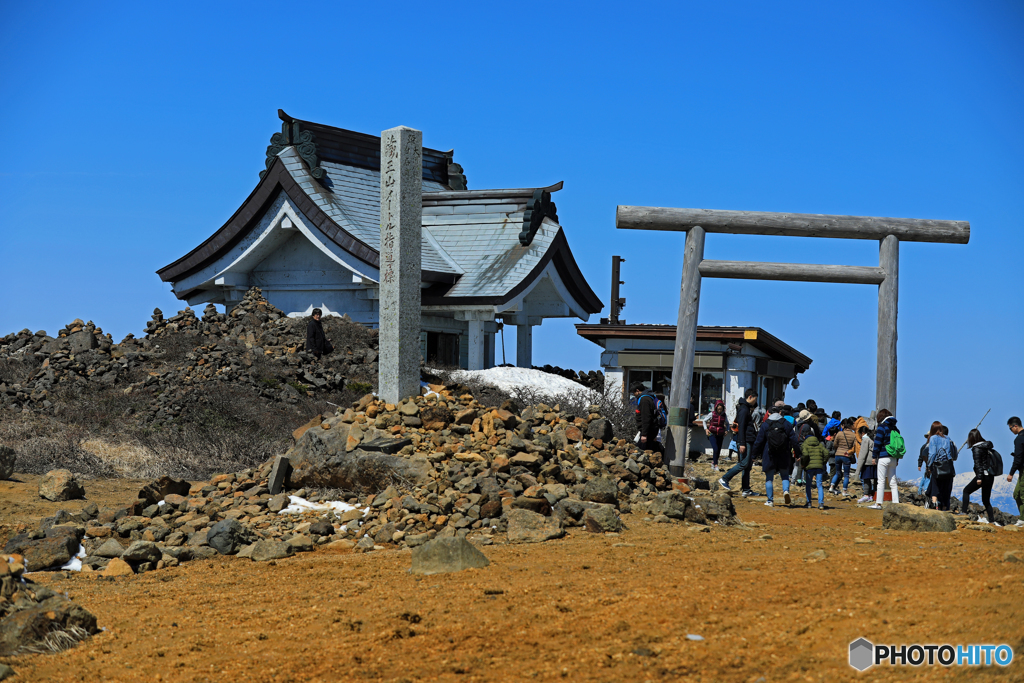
{"x": 814, "y": 456}
{"x": 866, "y": 464}
{"x": 941, "y": 456}
{"x": 888, "y": 450}
{"x": 715, "y": 426}
{"x": 746, "y": 434}
{"x": 1018, "y": 465}
{"x": 647, "y": 419}
{"x": 317, "y": 342}
{"x": 984, "y": 475}
{"x": 847, "y": 447}
{"x": 806, "y": 425}
{"x": 776, "y": 442}
{"x": 922, "y": 460}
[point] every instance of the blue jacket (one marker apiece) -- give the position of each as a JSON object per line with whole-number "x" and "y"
{"x": 882, "y": 436}
{"x": 937, "y": 445}
{"x": 785, "y": 462}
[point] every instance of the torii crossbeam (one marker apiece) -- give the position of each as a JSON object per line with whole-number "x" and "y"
{"x": 697, "y": 222}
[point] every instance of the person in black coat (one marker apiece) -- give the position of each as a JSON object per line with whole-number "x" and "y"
{"x": 317, "y": 342}
{"x": 776, "y": 458}
{"x": 646, "y": 418}
{"x": 745, "y": 436}
{"x": 984, "y": 475}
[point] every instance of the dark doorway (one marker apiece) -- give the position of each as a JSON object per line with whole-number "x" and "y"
{"x": 443, "y": 348}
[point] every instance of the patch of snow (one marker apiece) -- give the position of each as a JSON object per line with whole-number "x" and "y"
{"x": 161, "y": 503}
{"x": 299, "y": 505}
{"x": 75, "y": 563}
{"x": 430, "y": 392}
{"x": 513, "y": 380}
{"x": 694, "y": 636}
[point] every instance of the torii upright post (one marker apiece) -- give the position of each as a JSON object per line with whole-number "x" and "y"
{"x": 888, "y": 300}
{"x": 686, "y": 342}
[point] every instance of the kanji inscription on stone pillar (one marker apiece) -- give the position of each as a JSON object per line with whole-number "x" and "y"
{"x": 401, "y": 212}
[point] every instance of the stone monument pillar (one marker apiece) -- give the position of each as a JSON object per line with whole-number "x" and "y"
{"x": 401, "y": 225}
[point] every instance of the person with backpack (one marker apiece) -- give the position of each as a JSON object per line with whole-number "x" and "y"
{"x": 866, "y": 465}
{"x": 889, "y": 448}
{"x": 922, "y": 460}
{"x": 715, "y": 426}
{"x": 746, "y": 434}
{"x": 1014, "y": 423}
{"x": 987, "y": 466}
{"x": 806, "y": 426}
{"x": 650, "y": 417}
{"x": 776, "y": 442}
{"x": 846, "y": 448}
{"x": 813, "y": 457}
{"x": 941, "y": 456}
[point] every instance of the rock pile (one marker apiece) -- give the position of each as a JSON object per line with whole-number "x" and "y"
{"x": 255, "y": 346}
{"x": 435, "y": 466}
{"x": 34, "y": 618}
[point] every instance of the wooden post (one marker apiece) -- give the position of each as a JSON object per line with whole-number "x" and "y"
{"x": 888, "y": 295}
{"x": 793, "y": 272}
{"x": 686, "y": 342}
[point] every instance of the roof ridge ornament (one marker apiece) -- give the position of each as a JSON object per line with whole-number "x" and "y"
{"x": 292, "y": 135}
{"x": 539, "y": 207}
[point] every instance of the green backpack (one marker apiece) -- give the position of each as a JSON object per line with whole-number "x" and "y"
{"x": 896, "y": 448}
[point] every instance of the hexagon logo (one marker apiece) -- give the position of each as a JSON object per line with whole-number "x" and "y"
{"x": 861, "y": 654}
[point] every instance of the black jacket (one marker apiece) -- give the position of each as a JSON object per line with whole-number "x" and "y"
{"x": 646, "y": 420}
{"x": 982, "y": 452}
{"x": 316, "y": 340}
{"x": 1018, "y": 455}
{"x": 745, "y": 432}
{"x": 780, "y": 462}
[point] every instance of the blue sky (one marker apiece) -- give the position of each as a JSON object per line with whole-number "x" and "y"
{"x": 133, "y": 131}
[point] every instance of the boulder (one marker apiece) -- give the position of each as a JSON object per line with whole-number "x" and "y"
{"x": 142, "y": 551}
{"x": 718, "y": 508}
{"x": 675, "y": 505}
{"x": 600, "y": 428}
{"x": 529, "y": 527}
{"x": 43, "y": 553}
{"x": 57, "y": 485}
{"x": 118, "y": 567}
{"x": 319, "y": 460}
{"x": 905, "y": 517}
{"x": 322, "y": 527}
{"x": 601, "y": 490}
{"x": 7, "y": 459}
{"x": 569, "y": 511}
{"x": 227, "y": 536}
{"x": 109, "y": 548}
{"x": 28, "y": 627}
{"x": 168, "y": 486}
{"x": 263, "y": 551}
{"x": 601, "y": 519}
{"x": 444, "y": 555}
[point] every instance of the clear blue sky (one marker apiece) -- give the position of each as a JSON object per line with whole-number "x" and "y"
{"x": 133, "y": 131}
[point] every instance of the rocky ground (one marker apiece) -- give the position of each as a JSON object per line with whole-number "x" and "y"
{"x": 778, "y": 597}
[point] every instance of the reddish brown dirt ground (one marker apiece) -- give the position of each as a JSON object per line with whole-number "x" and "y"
{"x": 584, "y": 608}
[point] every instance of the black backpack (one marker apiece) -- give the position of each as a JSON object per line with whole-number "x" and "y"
{"x": 995, "y": 461}
{"x": 778, "y": 440}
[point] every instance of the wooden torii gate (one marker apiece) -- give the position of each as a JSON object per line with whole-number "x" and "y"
{"x": 697, "y": 222}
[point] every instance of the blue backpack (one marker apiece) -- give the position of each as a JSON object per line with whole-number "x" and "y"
{"x": 660, "y": 413}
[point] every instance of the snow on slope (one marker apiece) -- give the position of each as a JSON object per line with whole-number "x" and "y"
{"x": 513, "y": 380}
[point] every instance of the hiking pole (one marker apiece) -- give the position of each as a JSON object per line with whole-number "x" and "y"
{"x": 979, "y": 424}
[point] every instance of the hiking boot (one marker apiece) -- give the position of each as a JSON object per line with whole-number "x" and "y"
{"x": 770, "y": 504}
{"x": 724, "y": 484}
{"x": 822, "y": 506}
{"x": 748, "y": 493}
{"x": 786, "y": 497}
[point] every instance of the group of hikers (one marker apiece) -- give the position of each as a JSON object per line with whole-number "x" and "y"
{"x": 805, "y": 446}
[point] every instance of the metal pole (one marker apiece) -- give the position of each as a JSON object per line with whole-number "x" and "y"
{"x": 686, "y": 341}
{"x": 888, "y": 299}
